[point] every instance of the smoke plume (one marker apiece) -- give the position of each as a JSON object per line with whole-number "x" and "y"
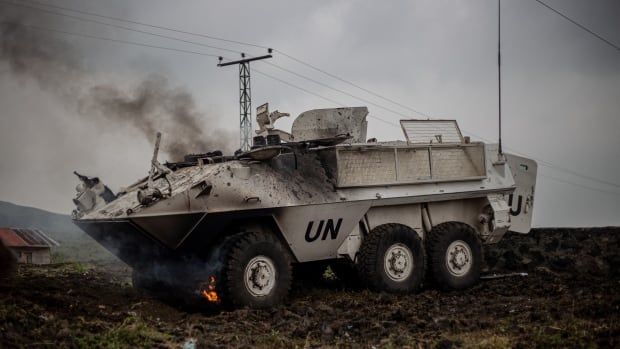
{"x": 154, "y": 106}
{"x": 149, "y": 106}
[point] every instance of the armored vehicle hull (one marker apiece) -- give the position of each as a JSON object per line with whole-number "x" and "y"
{"x": 232, "y": 227}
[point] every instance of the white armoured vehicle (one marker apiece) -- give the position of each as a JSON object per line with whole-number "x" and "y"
{"x": 231, "y": 228}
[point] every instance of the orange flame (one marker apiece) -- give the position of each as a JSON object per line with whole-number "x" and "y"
{"x": 209, "y": 293}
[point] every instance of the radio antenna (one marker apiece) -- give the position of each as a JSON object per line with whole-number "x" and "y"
{"x": 499, "y": 71}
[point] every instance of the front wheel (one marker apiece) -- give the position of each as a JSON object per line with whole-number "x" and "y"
{"x": 455, "y": 255}
{"x": 257, "y": 271}
{"x": 392, "y": 259}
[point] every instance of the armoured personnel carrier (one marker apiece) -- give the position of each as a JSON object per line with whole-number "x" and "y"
{"x": 231, "y": 228}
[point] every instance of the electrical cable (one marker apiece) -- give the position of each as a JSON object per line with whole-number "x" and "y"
{"x": 148, "y": 25}
{"x": 208, "y": 46}
{"x": 543, "y": 162}
{"x": 219, "y": 39}
{"x": 579, "y": 25}
{"x": 118, "y": 26}
{"x": 551, "y": 165}
{"x": 579, "y": 185}
{"x": 32, "y": 27}
{"x": 333, "y": 88}
{"x": 28, "y": 26}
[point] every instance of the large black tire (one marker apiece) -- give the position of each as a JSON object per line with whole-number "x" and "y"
{"x": 459, "y": 268}
{"x": 268, "y": 264}
{"x": 384, "y": 264}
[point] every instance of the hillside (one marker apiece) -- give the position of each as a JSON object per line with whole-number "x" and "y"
{"x": 75, "y": 245}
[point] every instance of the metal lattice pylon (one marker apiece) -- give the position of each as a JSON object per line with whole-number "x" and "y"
{"x": 245, "y": 99}
{"x": 245, "y": 106}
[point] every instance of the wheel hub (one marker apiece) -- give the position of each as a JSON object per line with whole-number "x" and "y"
{"x": 398, "y": 262}
{"x": 459, "y": 258}
{"x": 260, "y": 276}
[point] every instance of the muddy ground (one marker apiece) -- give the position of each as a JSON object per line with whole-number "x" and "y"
{"x": 570, "y": 298}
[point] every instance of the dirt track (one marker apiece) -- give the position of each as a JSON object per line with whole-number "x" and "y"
{"x": 569, "y": 299}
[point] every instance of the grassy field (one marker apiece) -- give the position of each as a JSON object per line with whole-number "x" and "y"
{"x": 569, "y": 299}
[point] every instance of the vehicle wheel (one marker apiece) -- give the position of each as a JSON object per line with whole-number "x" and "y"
{"x": 392, "y": 258}
{"x": 257, "y": 271}
{"x": 455, "y": 255}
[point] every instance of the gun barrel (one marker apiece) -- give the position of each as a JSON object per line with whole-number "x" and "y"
{"x": 156, "y": 150}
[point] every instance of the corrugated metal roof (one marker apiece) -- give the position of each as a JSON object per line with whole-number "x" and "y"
{"x": 16, "y": 237}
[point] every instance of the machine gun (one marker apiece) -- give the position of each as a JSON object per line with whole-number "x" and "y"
{"x": 90, "y": 182}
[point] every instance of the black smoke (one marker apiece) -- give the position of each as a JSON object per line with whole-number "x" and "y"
{"x": 153, "y": 105}
{"x": 150, "y": 105}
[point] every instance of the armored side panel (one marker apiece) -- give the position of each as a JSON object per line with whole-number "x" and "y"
{"x": 363, "y": 165}
{"x": 314, "y": 232}
{"x": 522, "y": 200}
{"x": 409, "y": 215}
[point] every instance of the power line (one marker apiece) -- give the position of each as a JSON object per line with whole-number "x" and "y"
{"x": 220, "y": 39}
{"x": 32, "y": 27}
{"x": 579, "y": 25}
{"x": 350, "y": 83}
{"x": 208, "y": 46}
{"x": 579, "y": 185}
{"x": 118, "y": 26}
{"x": 262, "y": 73}
{"x": 551, "y": 165}
{"x": 569, "y": 171}
{"x": 545, "y": 163}
{"x": 148, "y": 25}
{"x": 335, "y": 89}
{"x": 28, "y": 26}
{"x": 317, "y": 95}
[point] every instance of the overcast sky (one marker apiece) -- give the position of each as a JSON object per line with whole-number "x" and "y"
{"x": 561, "y": 86}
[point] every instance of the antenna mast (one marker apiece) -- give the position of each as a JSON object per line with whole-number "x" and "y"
{"x": 245, "y": 97}
{"x": 499, "y": 71}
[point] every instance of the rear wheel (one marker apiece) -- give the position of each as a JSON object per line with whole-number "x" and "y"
{"x": 257, "y": 271}
{"x": 455, "y": 255}
{"x": 392, "y": 259}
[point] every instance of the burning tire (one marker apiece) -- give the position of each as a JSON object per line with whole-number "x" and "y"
{"x": 455, "y": 255}
{"x": 257, "y": 271}
{"x": 392, "y": 259}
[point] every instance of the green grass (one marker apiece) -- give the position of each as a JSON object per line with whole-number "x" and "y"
{"x": 570, "y": 331}
{"x": 482, "y": 340}
{"x": 133, "y": 332}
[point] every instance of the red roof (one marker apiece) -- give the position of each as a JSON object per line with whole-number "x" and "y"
{"x": 15, "y": 237}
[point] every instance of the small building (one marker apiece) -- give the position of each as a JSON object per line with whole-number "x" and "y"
{"x": 30, "y": 246}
